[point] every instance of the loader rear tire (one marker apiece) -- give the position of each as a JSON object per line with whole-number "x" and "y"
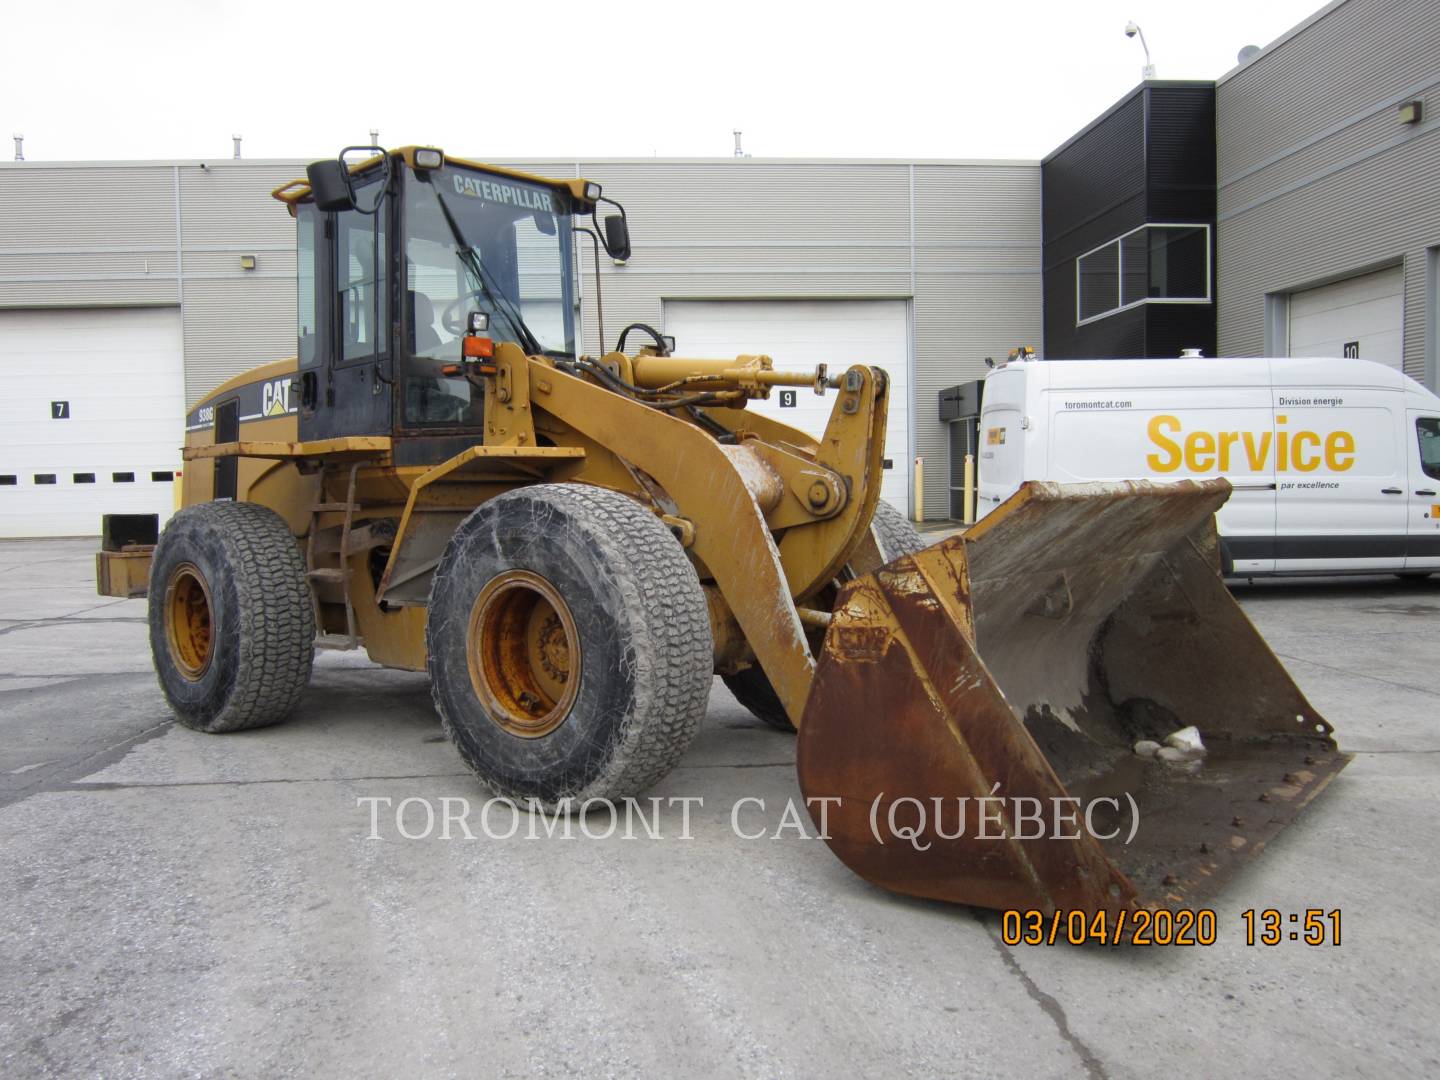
{"x": 569, "y": 645}
{"x": 895, "y": 537}
{"x": 232, "y": 629}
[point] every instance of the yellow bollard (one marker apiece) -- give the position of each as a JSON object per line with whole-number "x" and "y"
{"x": 968, "y": 515}
{"x": 919, "y": 514}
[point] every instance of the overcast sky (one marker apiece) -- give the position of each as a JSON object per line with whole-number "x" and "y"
{"x": 523, "y": 78}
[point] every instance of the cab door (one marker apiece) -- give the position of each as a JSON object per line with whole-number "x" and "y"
{"x": 362, "y": 307}
{"x": 1002, "y": 442}
{"x": 1422, "y": 551}
{"x": 346, "y": 310}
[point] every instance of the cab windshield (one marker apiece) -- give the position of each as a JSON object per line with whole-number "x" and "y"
{"x": 479, "y": 242}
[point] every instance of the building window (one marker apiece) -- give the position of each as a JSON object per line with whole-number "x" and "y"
{"x": 1154, "y": 264}
{"x": 1097, "y": 282}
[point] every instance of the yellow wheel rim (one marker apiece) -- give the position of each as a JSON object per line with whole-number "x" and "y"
{"x": 523, "y": 653}
{"x": 189, "y": 628}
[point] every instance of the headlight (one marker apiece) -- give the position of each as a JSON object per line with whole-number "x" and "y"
{"x": 592, "y": 191}
{"x": 429, "y": 158}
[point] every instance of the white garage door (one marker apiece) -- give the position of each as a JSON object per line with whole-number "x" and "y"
{"x": 91, "y": 417}
{"x": 1361, "y": 316}
{"x": 797, "y": 335}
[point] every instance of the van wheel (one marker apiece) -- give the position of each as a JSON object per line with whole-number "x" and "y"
{"x": 896, "y": 537}
{"x": 232, "y": 628}
{"x": 569, "y": 645}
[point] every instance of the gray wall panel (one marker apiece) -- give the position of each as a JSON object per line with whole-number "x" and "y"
{"x": 744, "y": 199}
{"x": 83, "y": 292}
{"x": 224, "y": 338}
{"x": 960, "y": 320}
{"x": 86, "y": 234}
{"x": 1318, "y": 179}
{"x": 229, "y": 205}
{"x": 1344, "y": 62}
{"x": 962, "y": 239}
{"x": 123, "y": 206}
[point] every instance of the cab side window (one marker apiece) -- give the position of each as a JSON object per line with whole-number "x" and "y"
{"x": 362, "y": 299}
{"x": 1427, "y": 430}
{"x": 308, "y": 239}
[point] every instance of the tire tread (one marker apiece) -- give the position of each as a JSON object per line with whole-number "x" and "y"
{"x": 276, "y": 616}
{"x": 667, "y": 608}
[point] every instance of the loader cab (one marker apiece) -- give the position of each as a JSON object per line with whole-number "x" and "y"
{"x": 391, "y": 265}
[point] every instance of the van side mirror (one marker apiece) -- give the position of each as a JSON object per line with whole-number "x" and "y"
{"x": 617, "y": 237}
{"x": 330, "y": 184}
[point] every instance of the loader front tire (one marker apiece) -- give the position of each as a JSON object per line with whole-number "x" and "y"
{"x": 232, "y": 629}
{"x": 569, "y": 645}
{"x": 895, "y": 537}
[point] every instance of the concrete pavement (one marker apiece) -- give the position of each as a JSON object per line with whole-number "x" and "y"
{"x": 174, "y": 903}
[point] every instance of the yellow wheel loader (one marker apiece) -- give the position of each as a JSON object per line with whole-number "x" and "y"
{"x": 572, "y": 546}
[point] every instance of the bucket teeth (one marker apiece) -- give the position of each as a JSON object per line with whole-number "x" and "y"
{"x": 976, "y": 707}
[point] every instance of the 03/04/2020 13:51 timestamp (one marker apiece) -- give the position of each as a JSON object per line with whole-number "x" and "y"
{"x": 1163, "y": 926}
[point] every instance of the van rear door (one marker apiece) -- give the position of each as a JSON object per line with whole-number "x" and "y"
{"x": 1341, "y": 479}
{"x": 1422, "y": 551}
{"x": 1002, "y": 438}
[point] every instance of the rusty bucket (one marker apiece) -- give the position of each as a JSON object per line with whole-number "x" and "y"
{"x": 972, "y": 728}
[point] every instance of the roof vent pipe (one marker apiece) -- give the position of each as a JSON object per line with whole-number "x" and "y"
{"x": 1191, "y": 354}
{"x": 19, "y": 147}
{"x": 237, "y": 146}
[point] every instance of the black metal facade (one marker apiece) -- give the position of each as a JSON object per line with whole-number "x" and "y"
{"x": 1149, "y": 159}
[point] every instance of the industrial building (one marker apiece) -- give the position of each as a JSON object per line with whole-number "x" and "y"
{"x": 1282, "y": 209}
{"x": 923, "y": 267}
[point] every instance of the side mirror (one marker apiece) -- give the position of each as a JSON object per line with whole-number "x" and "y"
{"x": 330, "y": 184}
{"x": 617, "y": 237}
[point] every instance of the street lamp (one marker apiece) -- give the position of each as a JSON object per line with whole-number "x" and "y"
{"x": 1132, "y": 29}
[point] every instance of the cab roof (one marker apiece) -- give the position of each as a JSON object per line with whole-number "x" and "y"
{"x": 297, "y": 191}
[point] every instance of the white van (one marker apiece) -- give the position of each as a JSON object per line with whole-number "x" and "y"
{"x": 1335, "y": 463}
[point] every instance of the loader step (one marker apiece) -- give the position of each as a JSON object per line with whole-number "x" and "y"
{"x": 336, "y": 642}
{"x": 333, "y": 574}
{"x": 332, "y": 508}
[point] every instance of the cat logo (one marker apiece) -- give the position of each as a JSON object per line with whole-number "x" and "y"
{"x": 275, "y": 398}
